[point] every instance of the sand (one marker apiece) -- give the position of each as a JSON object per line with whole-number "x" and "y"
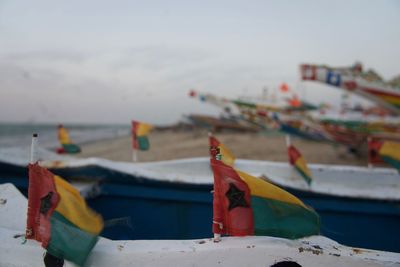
{"x": 167, "y": 145}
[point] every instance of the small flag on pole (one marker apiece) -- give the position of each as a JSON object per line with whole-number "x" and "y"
{"x": 65, "y": 141}
{"x": 246, "y": 205}
{"x": 59, "y": 217}
{"x": 284, "y": 88}
{"x": 294, "y": 101}
{"x": 140, "y": 131}
{"x": 387, "y": 151}
{"x": 298, "y": 162}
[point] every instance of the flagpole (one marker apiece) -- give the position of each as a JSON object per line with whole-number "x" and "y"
{"x": 370, "y": 165}
{"x": 134, "y": 154}
{"x": 34, "y": 150}
{"x": 288, "y": 141}
{"x": 217, "y": 237}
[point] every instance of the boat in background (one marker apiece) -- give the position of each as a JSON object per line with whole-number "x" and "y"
{"x": 353, "y": 79}
{"x": 172, "y": 200}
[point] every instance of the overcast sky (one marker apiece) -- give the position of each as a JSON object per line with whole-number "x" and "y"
{"x": 111, "y": 61}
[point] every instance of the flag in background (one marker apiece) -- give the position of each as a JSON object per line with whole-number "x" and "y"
{"x": 65, "y": 141}
{"x": 140, "y": 131}
{"x": 294, "y": 101}
{"x": 299, "y": 163}
{"x": 220, "y": 152}
{"x": 388, "y": 151}
{"x": 59, "y": 217}
{"x": 284, "y": 88}
{"x": 246, "y": 205}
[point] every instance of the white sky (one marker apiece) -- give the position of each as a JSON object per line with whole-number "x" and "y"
{"x": 111, "y": 61}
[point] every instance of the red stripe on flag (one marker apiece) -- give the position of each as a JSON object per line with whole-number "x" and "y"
{"x": 374, "y": 146}
{"x": 135, "y": 126}
{"x": 237, "y": 221}
{"x": 42, "y": 201}
{"x": 294, "y": 154}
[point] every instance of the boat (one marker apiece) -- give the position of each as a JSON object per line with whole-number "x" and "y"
{"x": 353, "y": 79}
{"x": 231, "y": 251}
{"x": 359, "y": 206}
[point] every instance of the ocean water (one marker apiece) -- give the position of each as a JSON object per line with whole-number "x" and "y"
{"x": 20, "y": 135}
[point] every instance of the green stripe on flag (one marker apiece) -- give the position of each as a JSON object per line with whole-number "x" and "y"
{"x": 71, "y": 148}
{"x": 68, "y": 241}
{"x": 304, "y": 175}
{"x": 391, "y": 161}
{"x": 143, "y": 142}
{"x": 276, "y": 218}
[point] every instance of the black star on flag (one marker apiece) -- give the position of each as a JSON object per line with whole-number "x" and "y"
{"x": 236, "y": 197}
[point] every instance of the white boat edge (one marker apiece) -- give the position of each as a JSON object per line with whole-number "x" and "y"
{"x": 334, "y": 180}
{"x": 231, "y": 251}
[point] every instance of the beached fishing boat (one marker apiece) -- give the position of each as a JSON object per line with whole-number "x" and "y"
{"x": 172, "y": 200}
{"x": 231, "y": 251}
{"x": 355, "y": 80}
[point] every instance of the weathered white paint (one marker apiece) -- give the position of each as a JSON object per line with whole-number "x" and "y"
{"x": 337, "y": 180}
{"x": 231, "y": 251}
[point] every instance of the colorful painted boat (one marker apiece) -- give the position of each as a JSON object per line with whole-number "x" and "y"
{"x": 353, "y": 79}
{"x": 172, "y": 200}
{"x": 231, "y": 251}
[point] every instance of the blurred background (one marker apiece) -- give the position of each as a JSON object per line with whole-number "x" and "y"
{"x": 106, "y": 62}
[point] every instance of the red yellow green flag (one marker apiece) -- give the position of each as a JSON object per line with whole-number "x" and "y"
{"x": 246, "y": 205}
{"x": 388, "y": 151}
{"x": 220, "y": 152}
{"x": 59, "y": 217}
{"x": 65, "y": 141}
{"x": 299, "y": 163}
{"x": 140, "y": 131}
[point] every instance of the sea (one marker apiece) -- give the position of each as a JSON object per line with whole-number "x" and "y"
{"x": 20, "y": 134}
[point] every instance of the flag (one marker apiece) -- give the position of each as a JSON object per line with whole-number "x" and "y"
{"x": 388, "y": 151}
{"x": 220, "y": 152}
{"x": 140, "y": 131}
{"x": 59, "y": 217}
{"x": 65, "y": 141}
{"x": 294, "y": 101}
{"x": 246, "y": 205}
{"x": 63, "y": 135}
{"x": 299, "y": 163}
{"x": 284, "y": 87}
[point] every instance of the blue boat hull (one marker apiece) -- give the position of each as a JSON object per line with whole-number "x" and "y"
{"x": 140, "y": 208}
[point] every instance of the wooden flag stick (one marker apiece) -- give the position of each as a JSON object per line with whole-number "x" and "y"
{"x": 288, "y": 141}
{"x": 370, "y": 164}
{"x": 134, "y": 155}
{"x": 34, "y": 150}
{"x": 217, "y": 238}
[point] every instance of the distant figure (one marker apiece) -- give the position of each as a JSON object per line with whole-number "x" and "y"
{"x": 67, "y": 145}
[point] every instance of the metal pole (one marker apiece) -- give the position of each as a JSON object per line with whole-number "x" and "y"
{"x": 34, "y": 150}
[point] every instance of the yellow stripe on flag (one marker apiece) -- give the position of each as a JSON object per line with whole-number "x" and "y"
{"x": 63, "y": 136}
{"x": 74, "y": 208}
{"x": 302, "y": 165}
{"x": 261, "y": 188}
{"x": 143, "y": 129}
{"x": 390, "y": 149}
{"x": 227, "y": 157}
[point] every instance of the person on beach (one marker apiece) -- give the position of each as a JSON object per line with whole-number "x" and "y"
{"x": 65, "y": 141}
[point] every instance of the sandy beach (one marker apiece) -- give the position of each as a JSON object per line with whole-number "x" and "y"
{"x": 169, "y": 144}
